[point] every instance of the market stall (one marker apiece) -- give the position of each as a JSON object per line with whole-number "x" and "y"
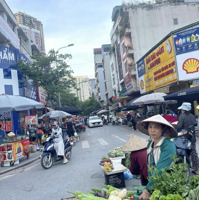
{"x": 12, "y": 149}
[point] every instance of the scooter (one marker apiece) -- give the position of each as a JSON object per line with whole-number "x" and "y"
{"x": 49, "y": 156}
{"x": 116, "y": 121}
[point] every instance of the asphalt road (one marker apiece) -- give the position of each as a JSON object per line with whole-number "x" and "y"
{"x": 81, "y": 173}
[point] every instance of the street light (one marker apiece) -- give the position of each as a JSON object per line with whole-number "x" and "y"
{"x": 69, "y": 45}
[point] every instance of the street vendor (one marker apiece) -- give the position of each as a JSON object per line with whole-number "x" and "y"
{"x": 159, "y": 149}
{"x": 2, "y": 134}
{"x": 138, "y": 157}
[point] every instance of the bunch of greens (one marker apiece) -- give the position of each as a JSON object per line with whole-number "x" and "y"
{"x": 158, "y": 196}
{"x": 172, "y": 180}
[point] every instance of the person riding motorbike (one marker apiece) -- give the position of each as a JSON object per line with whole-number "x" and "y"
{"x": 59, "y": 144}
{"x": 186, "y": 119}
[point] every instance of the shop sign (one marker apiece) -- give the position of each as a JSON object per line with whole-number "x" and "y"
{"x": 188, "y": 65}
{"x": 5, "y": 121}
{"x": 122, "y": 93}
{"x": 31, "y": 120}
{"x": 30, "y": 91}
{"x": 42, "y": 95}
{"x": 157, "y": 69}
{"x": 186, "y": 41}
{"x": 7, "y": 32}
{"x": 128, "y": 83}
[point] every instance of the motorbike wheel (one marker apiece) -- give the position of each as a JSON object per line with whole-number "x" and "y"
{"x": 84, "y": 129}
{"x": 113, "y": 123}
{"x": 78, "y": 130}
{"x": 47, "y": 161}
{"x": 68, "y": 154}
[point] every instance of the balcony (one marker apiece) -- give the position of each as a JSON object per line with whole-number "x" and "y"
{"x": 127, "y": 32}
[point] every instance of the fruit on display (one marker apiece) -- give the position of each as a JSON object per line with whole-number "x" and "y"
{"x": 108, "y": 167}
{"x": 105, "y": 160}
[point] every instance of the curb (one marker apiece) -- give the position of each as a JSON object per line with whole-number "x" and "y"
{"x": 18, "y": 166}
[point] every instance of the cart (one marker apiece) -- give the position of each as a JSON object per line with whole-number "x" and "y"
{"x": 13, "y": 149}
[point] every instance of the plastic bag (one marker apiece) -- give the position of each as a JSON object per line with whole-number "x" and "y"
{"x": 75, "y": 134}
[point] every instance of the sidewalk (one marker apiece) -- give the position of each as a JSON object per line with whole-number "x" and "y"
{"x": 22, "y": 162}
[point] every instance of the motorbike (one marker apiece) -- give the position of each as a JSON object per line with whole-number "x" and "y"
{"x": 183, "y": 144}
{"x": 116, "y": 121}
{"x": 80, "y": 127}
{"x": 49, "y": 155}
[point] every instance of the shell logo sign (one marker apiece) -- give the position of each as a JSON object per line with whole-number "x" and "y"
{"x": 191, "y": 65}
{"x": 142, "y": 84}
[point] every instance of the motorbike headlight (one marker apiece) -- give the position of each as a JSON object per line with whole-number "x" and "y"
{"x": 51, "y": 146}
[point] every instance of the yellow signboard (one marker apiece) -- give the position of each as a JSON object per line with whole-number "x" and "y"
{"x": 160, "y": 67}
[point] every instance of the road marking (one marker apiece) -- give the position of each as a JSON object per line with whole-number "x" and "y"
{"x": 85, "y": 144}
{"x": 119, "y": 138}
{"x": 102, "y": 141}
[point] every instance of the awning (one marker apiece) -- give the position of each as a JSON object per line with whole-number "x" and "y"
{"x": 128, "y": 107}
{"x": 187, "y": 94}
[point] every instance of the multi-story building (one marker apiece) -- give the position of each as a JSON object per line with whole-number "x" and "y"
{"x": 136, "y": 29}
{"x": 99, "y": 75}
{"x": 83, "y": 87}
{"x": 33, "y": 29}
{"x": 105, "y": 49}
{"x": 92, "y": 87}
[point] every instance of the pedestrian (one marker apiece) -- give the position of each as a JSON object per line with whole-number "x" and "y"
{"x": 159, "y": 149}
{"x": 2, "y": 133}
{"x": 138, "y": 157}
{"x": 70, "y": 129}
{"x": 58, "y": 145}
{"x": 39, "y": 134}
{"x": 128, "y": 116}
{"x": 185, "y": 120}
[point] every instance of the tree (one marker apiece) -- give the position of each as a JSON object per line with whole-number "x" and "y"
{"x": 88, "y": 106}
{"x": 49, "y": 71}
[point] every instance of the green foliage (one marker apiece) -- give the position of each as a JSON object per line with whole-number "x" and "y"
{"x": 168, "y": 183}
{"x": 127, "y": 160}
{"x": 158, "y": 196}
{"x": 49, "y": 71}
{"x": 88, "y": 106}
{"x": 194, "y": 182}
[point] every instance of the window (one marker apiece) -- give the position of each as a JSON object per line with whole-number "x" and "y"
{"x": 126, "y": 67}
{"x": 112, "y": 67}
{"x": 123, "y": 48}
{"x": 175, "y": 21}
{"x": 8, "y": 89}
{"x": 7, "y": 73}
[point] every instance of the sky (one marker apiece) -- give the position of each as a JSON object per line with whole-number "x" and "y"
{"x": 85, "y": 23}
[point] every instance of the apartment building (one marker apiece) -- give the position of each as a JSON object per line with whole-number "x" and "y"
{"x": 83, "y": 85}
{"x": 33, "y": 29}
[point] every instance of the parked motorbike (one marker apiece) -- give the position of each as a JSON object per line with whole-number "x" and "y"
{"x": 116, "y": 121}
{"x": 80, "y": 127}
{"x": 49, "y": 155}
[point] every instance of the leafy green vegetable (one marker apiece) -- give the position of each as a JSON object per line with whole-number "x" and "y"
{"x": 158, "y": 196}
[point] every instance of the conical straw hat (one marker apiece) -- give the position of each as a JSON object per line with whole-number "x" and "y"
{"x": 170, "y": 132}
{"x": 135, "y": 143}
{"x": 10, "y": 134}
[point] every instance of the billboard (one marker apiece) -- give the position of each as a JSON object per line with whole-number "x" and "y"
{"x": 158, "y": 68}
{"x": 187, "y": 54}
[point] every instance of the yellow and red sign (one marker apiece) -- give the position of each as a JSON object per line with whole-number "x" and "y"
{"x": 31, "y": 119}
{"x": 160, "y": 67}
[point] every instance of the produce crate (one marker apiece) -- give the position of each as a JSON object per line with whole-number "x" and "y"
{"x": 116, "y": 180}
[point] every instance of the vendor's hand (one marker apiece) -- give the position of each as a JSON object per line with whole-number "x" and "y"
{"x": 145, "y": 195}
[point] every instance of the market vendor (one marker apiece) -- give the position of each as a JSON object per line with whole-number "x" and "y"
{"x": 138, "y": 157}
{"x": 2, "y": 134}
{"x": 160, "y": 149}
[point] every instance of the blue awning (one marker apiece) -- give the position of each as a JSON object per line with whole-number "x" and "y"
{"x": 185, "y": 94}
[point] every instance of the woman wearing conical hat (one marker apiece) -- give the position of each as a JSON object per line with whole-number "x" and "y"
{"x": 138, "y": 157}
{"x": 159, "y": 149}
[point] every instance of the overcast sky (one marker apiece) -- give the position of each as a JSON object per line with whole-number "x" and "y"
{"x": 85, "y": 23}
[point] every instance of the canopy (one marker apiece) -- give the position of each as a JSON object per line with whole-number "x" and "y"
{"x": 55, "y": 114}
{"x": 70, "y": 109}
{"x": 9, "y": 103}
{"x": 187, "y": 94}
{"x": 149, "y": 99}
{"x": 102, "y": 111}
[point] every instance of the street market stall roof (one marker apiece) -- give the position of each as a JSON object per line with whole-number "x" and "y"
{"x": 70, "y": 109}
{"x": 10, "y": 103}
{"x": 187, "y": 94}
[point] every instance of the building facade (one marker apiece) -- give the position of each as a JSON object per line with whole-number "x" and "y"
{"x": 135, "y": 30}
{"x": 99, "y": 75}
{"x": 33, "y": 29}
{"x": 83, "y": 87}
{"x": 93, "y": 87}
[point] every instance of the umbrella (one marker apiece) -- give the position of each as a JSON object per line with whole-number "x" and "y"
{"x": 9, "y": 103}
{"x": 55, "y": 114}
{"x": 149, "y": 99}
{"x": 102, "y": 111}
